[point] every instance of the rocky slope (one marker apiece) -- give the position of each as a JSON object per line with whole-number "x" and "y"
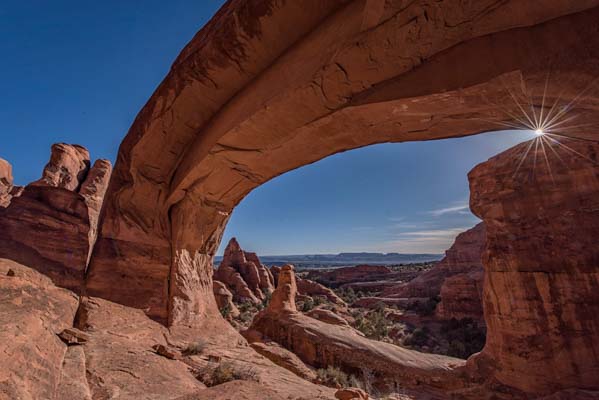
{"x": 320, "y": 344}
{"x": 68, "y": 347}
{"x": 52, "y": 225}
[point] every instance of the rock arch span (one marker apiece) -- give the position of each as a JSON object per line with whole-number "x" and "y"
{"x": 268, "y": 86}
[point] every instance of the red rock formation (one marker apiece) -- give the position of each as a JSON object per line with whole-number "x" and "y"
{"x": 358, "y": 273}
{"x": 306, "y": 287}
{"x": 464, "y": 256}
{"x": 351, "y": 394}
{"x": 32, "y": 312}
{"x": 295, "y": 82}
{"x": 118, "y": 351}
{"x": 284, "y": 358}
{"x": 52, "y": 225}
{"x": 541, "y": 296}
{"x": 7, "y": 189}
{"x": 327, "y": 316}
{"x": 243, "y": 274}
{"x": 461, "y": 297}
{"x": 224, "y": 298}
{"x": 321, "y": 344}
{"x": 67, "y": 168}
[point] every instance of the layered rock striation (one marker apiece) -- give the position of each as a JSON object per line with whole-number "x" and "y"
{"x": 540, "y": 296}
{"x": 456, "y": 280}
{"x": 61, "y": 346}
{"x": 52, "y": 225}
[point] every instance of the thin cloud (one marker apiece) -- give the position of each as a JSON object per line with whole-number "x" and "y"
{"x": 425, "y": 241}
{"x": 457, "y": 209}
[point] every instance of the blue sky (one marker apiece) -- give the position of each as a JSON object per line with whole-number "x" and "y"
{"x": 394, "y": 197}
{"x": 79, "y": 71}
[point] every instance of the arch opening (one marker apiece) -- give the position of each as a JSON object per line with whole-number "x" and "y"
{"x": 224, "y": 122}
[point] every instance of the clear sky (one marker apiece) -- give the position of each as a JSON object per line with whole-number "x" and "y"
{"x": 79, "y": 71}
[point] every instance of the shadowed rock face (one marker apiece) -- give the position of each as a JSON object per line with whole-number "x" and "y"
{"x": 52, "y": 225}
{"x": 464, "y": 256}
{"x": 541, "y": 287}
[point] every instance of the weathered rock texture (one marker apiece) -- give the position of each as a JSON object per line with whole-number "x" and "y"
{"x": 7, "y": 188}
{"x": 307, "y": 287}
{"x": 52, "y": 225}
{"x": 541, "y": 296}
{"x": 269, "y": 86}
{"x": 294, "y": 82}
{"x": 243, "y": 273}
{"x": 224, "y": 298}
{"x": 461, "y": 297}
{"x": 33, "y": 312}
{"x": 464, "y": 256}
{"x": 320, "y": 344}
{"x": 118, "y": 352}
{"x": 457, "y": 279}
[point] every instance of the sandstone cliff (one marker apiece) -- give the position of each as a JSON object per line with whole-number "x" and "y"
{"x": 456, "y": 280}
{"x": 540, "y": 292}
{"x": 52, "y": 225}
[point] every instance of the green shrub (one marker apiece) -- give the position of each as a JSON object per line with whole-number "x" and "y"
{"x": 226, "y": 310}
{"x": 308, "y": 304}
{"x": 374, "y": 325}
{"x": 419, "y": 337}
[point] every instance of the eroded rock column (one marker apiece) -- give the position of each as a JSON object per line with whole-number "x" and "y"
{"x": 541, "y": 289}
{"x": 51, "y": 225}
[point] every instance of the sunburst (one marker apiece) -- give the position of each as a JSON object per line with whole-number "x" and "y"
{"x": 550, "y": 124}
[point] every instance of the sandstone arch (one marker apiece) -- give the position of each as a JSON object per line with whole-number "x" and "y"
{"x": 268, "y": 86}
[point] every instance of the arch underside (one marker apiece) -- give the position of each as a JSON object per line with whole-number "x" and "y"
{"x": 248, "y": 101}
